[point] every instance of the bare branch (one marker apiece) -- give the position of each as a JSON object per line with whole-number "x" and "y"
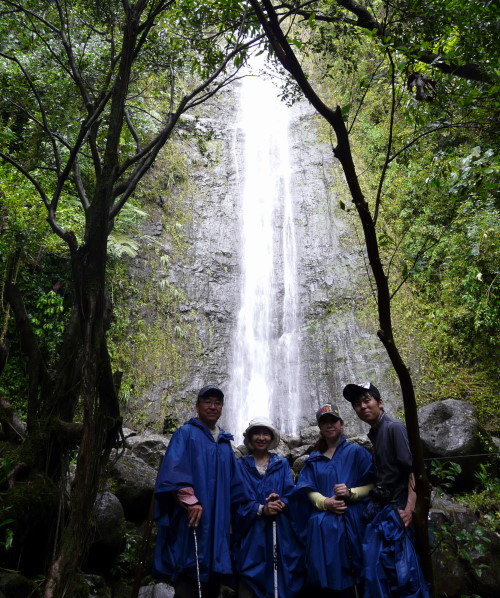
{"x": 423, "y": 250}
{"x": 132, "y": 130}
{"x": 386, "y": 163}
{"x": 146, "y": 157}
{"x": 74, "y": 70}
{"x": 430, "y": 132}
{"x": 156, "y": 11}
{"x": 84, "y": 200}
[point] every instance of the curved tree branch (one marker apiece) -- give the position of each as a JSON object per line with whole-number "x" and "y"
{"x": 366, "y": 20}
{"x": 385, "y": 166}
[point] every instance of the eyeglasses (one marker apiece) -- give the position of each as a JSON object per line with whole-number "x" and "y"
{"x": 211, "y": 403}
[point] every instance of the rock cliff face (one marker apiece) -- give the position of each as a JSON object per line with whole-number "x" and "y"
{"x": 336, "y": 346}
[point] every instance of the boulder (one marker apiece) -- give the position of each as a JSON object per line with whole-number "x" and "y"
{"x": 237, "y": 452}
{"x": 309, "y": 435}
{"x": 109, "y": 533}
{"x": 149, "y": 447}
{"x": 242, "y": 450}
{"x": 159, "y": 590}
{"x": 283, "y": 450}
{"x": 14, "y": 585}
{"x": 127, "y": 433}
{"x": 303, "y": 449}
{"x": 292, "y": 441}
{"x": 298, "y": 464}
{"x": 449, "y": 429}
{"x": 133, "y": 483}
{"x": 362, "y": 440}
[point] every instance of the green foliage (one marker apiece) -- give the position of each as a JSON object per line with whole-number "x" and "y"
{"x": 444, "y": 473}
{"x": 485, "y": 500}
{"x": 155, "y": 352}
{"x": 121, "y": 241}
{"x": 52, "y": 83}
{"x": 48, "y": 323}
{"x": 431, "y": 169}
{"x": 464, "y": 544}
{"x": 128, "y": 560}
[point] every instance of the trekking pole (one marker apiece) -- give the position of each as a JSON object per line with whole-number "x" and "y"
{"x": 275, "y": 559}
{"x": 197, "y": 561}
{"x": 349, "y": 557}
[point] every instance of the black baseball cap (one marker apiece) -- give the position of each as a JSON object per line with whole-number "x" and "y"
{"x": 352, "y": 391}
{"x": 328, "y": 409}
{"x": 211, "y": 390}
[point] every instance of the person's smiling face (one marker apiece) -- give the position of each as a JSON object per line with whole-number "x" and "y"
{"x": 260, "y": 438}
{"x": 331, "y": 427}
{"x": 368, "y": 409}
{"x": 209, "y": 410}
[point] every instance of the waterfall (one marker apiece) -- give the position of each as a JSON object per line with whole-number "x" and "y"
{"x": 266, "y": 369}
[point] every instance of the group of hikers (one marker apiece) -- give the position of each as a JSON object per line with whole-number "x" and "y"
{"x": 342, "y": 530}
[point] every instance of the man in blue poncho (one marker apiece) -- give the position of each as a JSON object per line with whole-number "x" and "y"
{"x": 390, "y": 563}
{"x": 197, "y": 485}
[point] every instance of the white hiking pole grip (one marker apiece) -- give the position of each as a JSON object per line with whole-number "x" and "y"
{"x": 275, "y": 559}
{"x": 197, "y": 562}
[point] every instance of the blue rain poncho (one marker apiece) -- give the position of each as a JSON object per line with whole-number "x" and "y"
{"x": 254, "y": 550}
{"x": 391, "y": 562}
{"x": 333, "y": 542}
{"x": 195, "y": 459}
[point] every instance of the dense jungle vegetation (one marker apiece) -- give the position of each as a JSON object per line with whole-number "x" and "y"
{"x": 93, "y": 95}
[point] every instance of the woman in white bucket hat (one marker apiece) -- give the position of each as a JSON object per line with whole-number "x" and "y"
{"x": 268, "y": 479}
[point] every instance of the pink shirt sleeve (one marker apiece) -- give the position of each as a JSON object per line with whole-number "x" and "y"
{"x": 186, "y": 496}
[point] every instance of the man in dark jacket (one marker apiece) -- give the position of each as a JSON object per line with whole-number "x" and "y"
{"x": 391, "y": 566}
{"x": 198, "y": 483}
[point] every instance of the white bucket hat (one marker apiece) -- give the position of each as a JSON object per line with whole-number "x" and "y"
{"x": 262, "y": 422}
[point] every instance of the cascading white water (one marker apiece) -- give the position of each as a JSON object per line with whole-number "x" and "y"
{"x": 288, "y": 372}
{"x": 266, "y": 369}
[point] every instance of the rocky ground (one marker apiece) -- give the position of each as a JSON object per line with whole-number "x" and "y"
{"x": 466, "y": 563}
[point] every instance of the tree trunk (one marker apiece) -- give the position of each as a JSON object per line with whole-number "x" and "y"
{"x": 99, "y": 397}
{"x": 270, "y": 23}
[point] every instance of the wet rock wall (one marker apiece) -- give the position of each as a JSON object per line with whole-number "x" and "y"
{"x": 337, "y": 346}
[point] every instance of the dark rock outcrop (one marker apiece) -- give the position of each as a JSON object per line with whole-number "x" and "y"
{"x": 133, "y": 482}
{"x": 449, "y": 429}
{"x": 149, "y": 447}
{"x": 159, "y": 590}
{"x": 14, "y": 585}
{"x": 109, "y": 533}
{"x": 466, "y": 556}
{"x": 309, "y": 435}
